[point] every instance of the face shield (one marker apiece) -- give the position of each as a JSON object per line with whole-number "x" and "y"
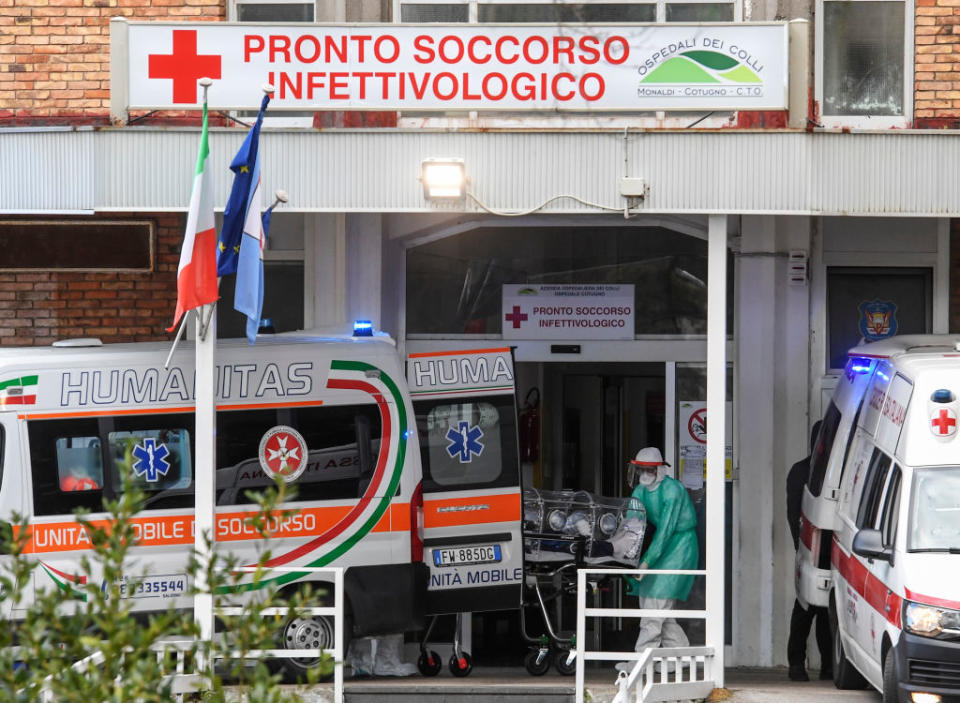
{"x": 644, "y": 475}
{"x": 648, "y": 469}
{"x": 649, "y": 475}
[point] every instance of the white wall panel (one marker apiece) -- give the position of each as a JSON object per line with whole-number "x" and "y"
{"x": 48, "y": 170}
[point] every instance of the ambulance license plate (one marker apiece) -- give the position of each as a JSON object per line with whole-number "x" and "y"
{"x": 457, "y": 556}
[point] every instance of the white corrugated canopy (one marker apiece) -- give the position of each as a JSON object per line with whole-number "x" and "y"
{"x": 895, "y": 173}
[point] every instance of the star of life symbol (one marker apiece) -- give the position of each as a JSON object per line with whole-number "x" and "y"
{"x": 464, "y": 441}
{"x": 151, "y": 460}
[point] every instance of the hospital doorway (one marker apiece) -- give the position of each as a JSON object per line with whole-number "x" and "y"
{"x": 596, "y": 416}
{"x": 579, "y": 424}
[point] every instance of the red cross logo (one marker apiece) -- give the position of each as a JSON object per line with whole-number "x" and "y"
{"x": 516, "y": 317}
{"x": 945, "y": 423}
{"x": 184, "y": 66}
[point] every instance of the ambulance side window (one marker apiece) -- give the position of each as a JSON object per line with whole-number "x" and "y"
{"x": 821, "y": 452}
{"x": 155, "y": 452}
{"x": 66, "y": 457}
{"x": 468, "y": 442}
{"x": 891, "y": 509}
{"x": 873, "y": 489}
{"x": 343, "y": 444}
{"x": 850, "y": 437}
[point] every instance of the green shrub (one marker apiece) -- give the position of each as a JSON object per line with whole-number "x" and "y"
{"x": 60, "y": 627}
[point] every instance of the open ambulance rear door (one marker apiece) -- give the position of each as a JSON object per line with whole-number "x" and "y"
{"x": 466, "y": 413}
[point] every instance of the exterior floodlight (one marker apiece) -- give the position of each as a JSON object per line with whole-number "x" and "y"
{"x": 443, "y": 178}
{"x": 363, "y": 328}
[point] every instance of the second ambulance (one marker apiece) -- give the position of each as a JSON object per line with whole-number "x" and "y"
{"x": 881, "y": 520}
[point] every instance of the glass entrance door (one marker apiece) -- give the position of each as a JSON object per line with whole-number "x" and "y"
{"x": 607, "y": 412}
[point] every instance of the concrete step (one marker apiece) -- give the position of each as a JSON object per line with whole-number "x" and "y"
{"x": 483, "y": 685}
{"x": 515, "y": 685}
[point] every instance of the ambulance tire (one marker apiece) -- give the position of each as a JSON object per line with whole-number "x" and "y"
{"x": 560, "y": 662}
{"x": 429, "y": 663}
{"x": 535, "y": 668}
{"x": 461, "y": 667}
{"x": 890, "y": 692}
{"x": 305, "y": 633}
{"x": 845, "y": 676}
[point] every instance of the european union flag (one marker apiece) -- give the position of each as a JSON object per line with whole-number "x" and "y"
{"x": 235, "y": 214}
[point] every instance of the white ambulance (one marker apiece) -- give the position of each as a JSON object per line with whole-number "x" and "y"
{"x": 331, "y": 414}
{"x": 465, "y": 404}
{"x": 893, "y": 589}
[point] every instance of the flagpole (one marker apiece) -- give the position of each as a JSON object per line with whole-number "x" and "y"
{"x": 208, "y": 317}
{"x": 176, "y": 340}
{"x": 280, "y": 197}
{"x": 205, "y": 463}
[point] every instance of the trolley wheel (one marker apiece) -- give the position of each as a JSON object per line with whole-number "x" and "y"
{"x": 429, "y": 663}
{"x": 535, "y": 667}
{"x": 462, "y": 666}
{"x": 560, "y": 662}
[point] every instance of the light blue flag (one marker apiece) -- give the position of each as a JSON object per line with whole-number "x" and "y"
{"x": 248, "y": 295}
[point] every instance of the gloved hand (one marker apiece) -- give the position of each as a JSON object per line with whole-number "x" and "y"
{"x": 643, "y": 565}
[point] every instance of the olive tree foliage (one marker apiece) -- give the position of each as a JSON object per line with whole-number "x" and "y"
{"x": 92, "y": 620}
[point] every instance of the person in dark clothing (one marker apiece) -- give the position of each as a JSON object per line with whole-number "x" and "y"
{"x": 802, "y": 618}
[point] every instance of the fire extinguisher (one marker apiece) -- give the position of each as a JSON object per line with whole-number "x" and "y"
{"x": 530, "y": 427}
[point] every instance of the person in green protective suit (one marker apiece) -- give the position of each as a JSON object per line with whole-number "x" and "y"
{"x": 669, "y": 508}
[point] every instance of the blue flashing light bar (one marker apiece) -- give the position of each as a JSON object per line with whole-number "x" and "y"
{"x": 858, "y": 365}
{"x": 363, "y": 328}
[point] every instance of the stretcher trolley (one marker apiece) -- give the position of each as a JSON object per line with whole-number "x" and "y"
{"x": 563, "y": 531}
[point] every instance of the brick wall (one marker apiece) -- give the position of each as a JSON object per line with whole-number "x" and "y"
{"x": 37, "y": 308}
{"x": 937, "y": 64}
{"x": 55, "y": 54}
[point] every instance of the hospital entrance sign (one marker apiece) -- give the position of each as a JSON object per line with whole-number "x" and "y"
{"x": 735, "y": 66}
{"x": 561, "y": 311}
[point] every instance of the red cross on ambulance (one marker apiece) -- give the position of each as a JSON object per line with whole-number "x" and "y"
{"x": 184, "y": 65}
{"x": 944, "y": 422}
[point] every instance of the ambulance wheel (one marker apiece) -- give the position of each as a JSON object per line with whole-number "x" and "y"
{"x": 536, "y": 668}
{"x": 312, "y": 632}
{"x": 890, "y": 693}
{"x": 462, "y": 666}
{"x": 560, "y": 662}
{"x": 845, "y": 676}
{"x": 429, "y": 663}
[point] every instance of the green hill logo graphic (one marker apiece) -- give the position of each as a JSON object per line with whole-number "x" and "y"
{"x": 702, "y": 67}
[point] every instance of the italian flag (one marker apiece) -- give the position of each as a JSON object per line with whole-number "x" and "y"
{"x": 197, "y": 273}
{"x": 18, "y": 391}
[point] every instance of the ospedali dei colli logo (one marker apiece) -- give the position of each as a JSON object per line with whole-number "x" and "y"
{"x": 700, "y": 67}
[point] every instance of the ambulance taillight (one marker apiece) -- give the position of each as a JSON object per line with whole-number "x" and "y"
{"x": 810, "y": 536}
{"x": 416, "y": 525}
